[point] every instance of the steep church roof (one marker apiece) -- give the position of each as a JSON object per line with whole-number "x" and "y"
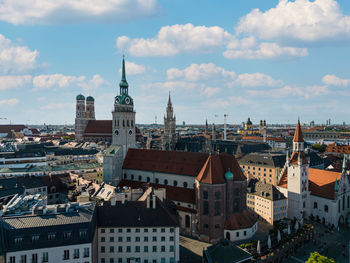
{"x": 100, "y": 127}
{"x": 212, "y": 172}
{"x": 322, "y": 182}
{"x": 298, "y": 136}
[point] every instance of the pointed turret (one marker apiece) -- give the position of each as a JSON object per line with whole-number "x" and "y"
{"x": 123, "y": 83}
{"x": 344, "y": 165}
{"x": 336, "y": 186}
{"x": 298, "y": 136}
{"x": 169, "y": 101}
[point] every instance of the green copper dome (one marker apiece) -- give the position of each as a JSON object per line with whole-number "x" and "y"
{"x": 80, "y": 97}
{"x": 229, "y": 175}
{"x": 89, "y": 98}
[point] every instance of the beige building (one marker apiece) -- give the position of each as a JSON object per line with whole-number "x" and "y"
{"x": 263, "y": 166}
{"x": 266, "y": 201}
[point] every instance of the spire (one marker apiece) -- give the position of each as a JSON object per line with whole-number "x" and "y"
{"x": 169, "y": 101}
{"x": 344, "y": 164}
{"x": 336, "y": 186}
{"x": 123, "y": 83}
{"x": 298, "y": 136}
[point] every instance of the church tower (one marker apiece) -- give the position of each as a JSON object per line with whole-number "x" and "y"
{"x": 123, "y": 137}
{"x": 80, "y": 117}
{"x": 124, "y": 116}
{"x": 298, "y": 178}
{"x": 90, "y": 108}
{"x": 169, "y": 136}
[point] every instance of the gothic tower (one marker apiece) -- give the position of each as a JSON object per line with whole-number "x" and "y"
{"x": 80, "y": 117}
{"x": 123, "y": 137}
{"x": 169, "y": 136}
{"x": 298, "y": 178}
{"x": 90, "y": 108}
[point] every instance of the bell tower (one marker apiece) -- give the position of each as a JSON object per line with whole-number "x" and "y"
{"x": 124, "y": 115}
{"x": 80, "y": 117}
{"x": 169, "y": 136}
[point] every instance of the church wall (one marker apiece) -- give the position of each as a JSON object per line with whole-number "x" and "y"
{"x": 153, "y": 176}
{"x": 329, "y": 217}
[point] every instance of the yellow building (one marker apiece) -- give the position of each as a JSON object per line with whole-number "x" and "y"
{"x": 249, "y": 128}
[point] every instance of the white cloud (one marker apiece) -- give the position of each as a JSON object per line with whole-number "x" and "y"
{"x": 9, "y": 102}
{"x": 203, "y": 72}
{"x": 77, "y": 11}
{"x": 196, "y": 72}
{"x": 16, "y": 59}
{"x": 288, "y": 91}
{"x": 208, "y": 91}
{"x": 299, "y": 20}
{"x": 263, "y": 51}
{"x": 13, "y": 82}
{"x": 333, "y": 80}
{"x": 61, "y": 81}
{"x": 174, "y": 39}
{"x": 133, "y": 68}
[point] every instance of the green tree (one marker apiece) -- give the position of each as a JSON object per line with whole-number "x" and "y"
{"x": 315, "y": 257}
{"x": 319, "y": 147}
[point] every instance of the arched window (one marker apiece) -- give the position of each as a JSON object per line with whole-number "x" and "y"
{"x": 132, "y": 177}
{"x": 187, "y": 221}
{"x": 185, "y": 184}
{"x": 166, "y": 182}
{"x": 148, "y": 179}
{"x": 125, "y": 176}
{"x": 315, "y": 205}
{"x": 228, "y": 237}
{"x": 140, "y": 177}
{"x": 157, "y": 181}
{"x": 217, "y": 208}
{"x": 175, "y": 183}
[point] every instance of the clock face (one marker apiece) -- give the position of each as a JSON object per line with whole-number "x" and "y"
{"x": 127, "y": 100}
{"x": 117, "y": 99}
{"x": 116, "y": 132}
{"x": 130, "y": 132}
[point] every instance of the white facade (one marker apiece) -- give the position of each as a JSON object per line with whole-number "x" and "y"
{"x": 241, "y": 234}
{"x": 144, "y": 245}
{"x": 81, "y": 253}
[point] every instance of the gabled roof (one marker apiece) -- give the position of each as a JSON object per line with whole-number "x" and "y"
{"x": 298, "y": 136}
{"x": 212, "y": 172}
{"x": 322, "y": 182}
{"x": 15, "y": 127}
{"x": 241, "y": 220}
{"x": 98, "y": 127}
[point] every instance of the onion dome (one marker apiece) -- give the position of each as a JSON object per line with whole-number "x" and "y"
{"x": 249, "y": 122}
{"x": 89, "y": 98}
{"x": 229, "y": 175}
{"x": 80, "y": 97}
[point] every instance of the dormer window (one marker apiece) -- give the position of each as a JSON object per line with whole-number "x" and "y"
{"x": 83, "y": 233}
{"x": 51, "y": 236}
{"x": 18, "y": 240}
{"x": 35, "y": 238}
{"x": 67, "y": 235}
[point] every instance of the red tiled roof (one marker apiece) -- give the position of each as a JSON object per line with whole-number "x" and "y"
{"x": 284, "y": 179}
{"x": 322, "y": 182}
{"x": 98, "y": 127}
{"x": 8, "y": 128}
{"x": 212, "y": 172}
{"x": 294, "y": 158}
{"x": 241, "y": 220}
{"x": 183, "y": 163}
{"x": 174, "y": 193}
{"x": 336, "y": 148}
{"x": 298, "y": 135}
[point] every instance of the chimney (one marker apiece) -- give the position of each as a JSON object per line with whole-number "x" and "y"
{"x": 113, "y": 201}
{"x": 148, "y": 200}
{"x": 154, "y": 201}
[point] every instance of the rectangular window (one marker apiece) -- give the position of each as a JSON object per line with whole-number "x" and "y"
{"x": 145, "y": 249}
{"x": 34, "y": 258}
{"x": 103, "y": 239}
{"x": 67, "y": 234}
{"x": 205, "y": 208}
{"x": 120, "y": 230}
{"x": 120, "y": 249}
{"x": 12, "y": 259}
{"x": 111, "y": 230}
{"x": 111, "y": 249}
{"x": 51, "y": 236}
{"x": 103, "y": 230}
{"x": 137, "y": 239}
{"x": 128, "y": 230}
{"x": 35, "y": 238}
{"x": 128, "y": 239}
{"x": 145, "y": 230}
{"x": 162, "y": 230}
{"x": 162, "y": 238}
{"x": 128, "y": 249}
{"x": 145, "y": 239}
{"x": 83, "y": 233}
{"x": 137, "y": 230}
{"x": 154, "y": 230}
{"x": 111, "y": 260}
{"x": 163, "y": 248}
{"x": 76, "y": 253}
{"x": 120, "y": 239}
{"x": 111, "y": 239}
{"x": 205, "y": 194}
{"x": 162, "y": 260}
{"x": 103, "y": 249}
{"x": 66, "y": 254}
{"x": 45, "y": 257}
{"x": 137, "y": 249}
{"x": 154, "y": 239}
{"x": 171, "y": 238}
{"x": 103, "y": 260}
{"x": 23, "y": 259}
{"x": 86, "y": 252}
{"x": 171, "y": 248}
{"x": 217, "y": 208}
{"x": 154, "y": 249}
{"x": 171, "y": 230}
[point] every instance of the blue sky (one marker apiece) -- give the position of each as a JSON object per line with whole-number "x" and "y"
{"x": 273, "y": 60}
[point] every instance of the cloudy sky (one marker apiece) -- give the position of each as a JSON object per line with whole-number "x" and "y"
{"x": 273, "y": 60}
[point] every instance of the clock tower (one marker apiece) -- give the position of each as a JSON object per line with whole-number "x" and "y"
{"x": 123, "y": 116}
{"x": 123, "y": 138}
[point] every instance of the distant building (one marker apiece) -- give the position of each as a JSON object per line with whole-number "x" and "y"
{"x": 169, "y": 137}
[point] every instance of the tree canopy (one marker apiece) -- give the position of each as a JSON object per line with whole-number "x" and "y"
{"x": 316, "y": 257}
